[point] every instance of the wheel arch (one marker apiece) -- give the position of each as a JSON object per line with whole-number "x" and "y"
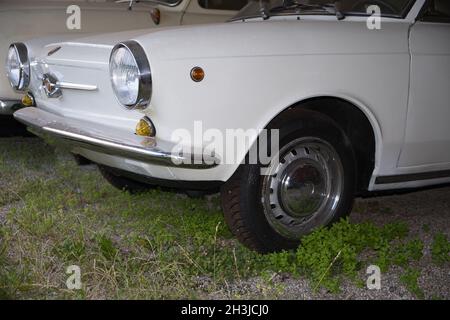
{"x": 359, "y": 124}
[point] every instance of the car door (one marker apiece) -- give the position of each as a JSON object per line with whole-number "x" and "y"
{"x": 427, "y": 139}
{"x": 211, "y": 11}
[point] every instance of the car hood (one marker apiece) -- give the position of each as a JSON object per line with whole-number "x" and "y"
{"x": 74, "y": 50}
{"x": 236, "y": 39}
{"x": 278, "y": 37}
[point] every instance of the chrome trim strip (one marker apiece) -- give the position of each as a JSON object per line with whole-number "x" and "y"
{"x": 76, "y": 86}
{"x": 52, "y": 86}
{"x": 53, "y": 51}
{"x": 110, "y": 145}
{"x": 51, "y": 127}
{"x": 401, "y": 178}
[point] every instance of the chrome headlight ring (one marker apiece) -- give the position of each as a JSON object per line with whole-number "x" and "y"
{"x": 131, "y": 75}
{"x": 18, "y": 66}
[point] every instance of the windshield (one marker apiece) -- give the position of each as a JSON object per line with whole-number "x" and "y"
{"x": 170, "y": 3}
{"x": 268, "y": 8}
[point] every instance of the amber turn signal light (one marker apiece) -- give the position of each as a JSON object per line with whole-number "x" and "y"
{"x": 156, "y": 15}
{"x": 28, "y": 100}
{"x": 197, "y": 74}
{"x": 145, "y": 128}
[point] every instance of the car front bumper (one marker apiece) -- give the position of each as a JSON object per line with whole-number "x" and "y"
{"x": 77, "y": 135}
{"x": 8, "y": 107}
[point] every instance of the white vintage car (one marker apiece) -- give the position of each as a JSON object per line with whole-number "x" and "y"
{"x": 356, "y": 103}
{"x": 22, "y": 20}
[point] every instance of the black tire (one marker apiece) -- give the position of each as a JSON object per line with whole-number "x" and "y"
{"x": 123, "y": 183}
{"x": 241, "y": 195}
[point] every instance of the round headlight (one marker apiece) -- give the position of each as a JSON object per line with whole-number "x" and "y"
{"x": 131, "y": 76}
{"x": 18, "y": 66}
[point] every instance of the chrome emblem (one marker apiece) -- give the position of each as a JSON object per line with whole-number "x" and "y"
{"x": 50, "y": 86}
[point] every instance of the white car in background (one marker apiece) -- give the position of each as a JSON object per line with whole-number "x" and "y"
{"x": 357, "y": 109}
{"x": 22, "y": 20}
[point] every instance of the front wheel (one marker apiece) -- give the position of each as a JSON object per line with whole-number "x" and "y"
{"x": 312, "y": 185}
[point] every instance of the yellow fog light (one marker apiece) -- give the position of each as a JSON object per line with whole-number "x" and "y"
{"x": 145, "y": 128}
{"x": 28, "y": 100}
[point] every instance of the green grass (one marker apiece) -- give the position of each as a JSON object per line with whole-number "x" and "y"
{"x": 410, "y": 280}
{"x": 440, "y": 249}
{"x": 156, "y": 245}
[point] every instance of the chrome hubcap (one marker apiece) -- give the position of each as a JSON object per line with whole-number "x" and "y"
{"x": 303, "y": 190}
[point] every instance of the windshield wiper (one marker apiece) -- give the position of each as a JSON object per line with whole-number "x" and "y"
{"x": 130, "y": 3}
{"x": 332, "y": 8}
{"x": 264, "y": 11}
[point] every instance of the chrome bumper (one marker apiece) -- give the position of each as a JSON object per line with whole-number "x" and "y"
{"x": 72, "y": 133}
{"x": 8, "y": 107}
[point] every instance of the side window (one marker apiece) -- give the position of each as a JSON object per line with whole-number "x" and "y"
{"x": 234, "y": 5}
{"x": 436, "y": 11}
